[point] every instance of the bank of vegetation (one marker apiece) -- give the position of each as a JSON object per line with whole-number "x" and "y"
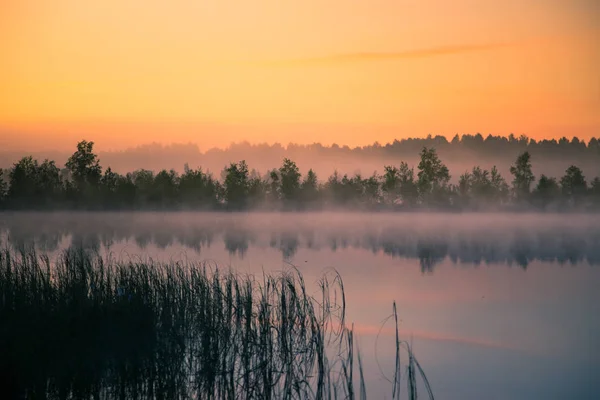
{"x": 84, "y": 184}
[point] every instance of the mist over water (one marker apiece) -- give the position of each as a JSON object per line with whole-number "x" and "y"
{"x": 470, "y": 238}
{"x": 497, "y": 305}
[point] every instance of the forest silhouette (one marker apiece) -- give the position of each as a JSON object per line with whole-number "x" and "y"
{"x": 552, "y": 157}
{"x": 84, "y": 184}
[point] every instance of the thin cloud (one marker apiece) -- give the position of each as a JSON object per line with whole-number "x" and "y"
{"x": 387, "y": 56}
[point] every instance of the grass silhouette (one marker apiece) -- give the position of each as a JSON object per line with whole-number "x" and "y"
{"x": 82, "y": 326}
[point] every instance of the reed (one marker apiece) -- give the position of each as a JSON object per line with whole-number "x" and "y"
{"x": 83, "y": 326}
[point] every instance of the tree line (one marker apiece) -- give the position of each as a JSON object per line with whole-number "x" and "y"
{"x": 551, "y": 156}
{"x": 83, "y": 184}
{"x": 490, "y": 145}
{"x": 499, "y": 143}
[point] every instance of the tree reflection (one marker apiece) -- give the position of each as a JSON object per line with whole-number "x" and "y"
{"x": 236, "y": 242}
{"x": 430, "y": 253}
{"x": 288, "y": 244}
{"x": 486, "y": 245}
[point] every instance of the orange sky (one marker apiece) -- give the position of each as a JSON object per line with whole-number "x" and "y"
{"x": 127, "y": 72}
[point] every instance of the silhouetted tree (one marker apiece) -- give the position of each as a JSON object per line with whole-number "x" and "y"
{"x": 371, "y": 190}
{"x": 126, "y": 191}
{"x": 464, "y": 189}
{"x": 399, "y": 185}
{"x": 546, "y": 191}
{"x": 594, "y": 145}
{"x": 108, "y": 182}
{"x": 143, "y": 180}
{"x": 351, "y": 190}
{"x": 84, "y": 164}
{"x": 273, "y": 186}
{"x": 165, "y": 189}
{"x": 481, "y": 185}
{"x": 34, "y": 185}
{"x": 236, "y": 185}
{"x": 359, "y": 192}
{"x": 259, "y": 191}
{"x": 85, "y": 171}
{"x": 117, "y": 191}
{"x": 408, "y": 187}
{"x": 573, "y": 184}
{"x": 23, "y": 182}
{"x": 499, "y": 186}
{"x": 481, "y": 188}
{"x": 433, "y": 178}
{"x": 309, "y": 189}
{"x": 523, "y": 176}
{"x": 49, "y": 183}
{"x": 3, "y": 188}
{"x": 198, "y": 190}
{"x": 290, "y": 180}
{"x": 332, "y": 189}
{"x": 595, "y": 192}
{"x": 391, "y": 184}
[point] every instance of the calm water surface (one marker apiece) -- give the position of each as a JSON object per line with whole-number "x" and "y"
{"x": 498, "y": 306}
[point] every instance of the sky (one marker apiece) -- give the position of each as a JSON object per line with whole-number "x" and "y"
{"x": 130, "y": 72}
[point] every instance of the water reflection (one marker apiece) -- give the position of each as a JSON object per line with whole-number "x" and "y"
{"x": 516, "y": 333}
{"x": 464, "y": 239}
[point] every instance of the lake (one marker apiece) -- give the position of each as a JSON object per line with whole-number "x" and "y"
{"x": 497, "y": 306}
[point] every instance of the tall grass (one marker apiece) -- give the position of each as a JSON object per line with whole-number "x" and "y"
{"x": 86, "y": 327}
